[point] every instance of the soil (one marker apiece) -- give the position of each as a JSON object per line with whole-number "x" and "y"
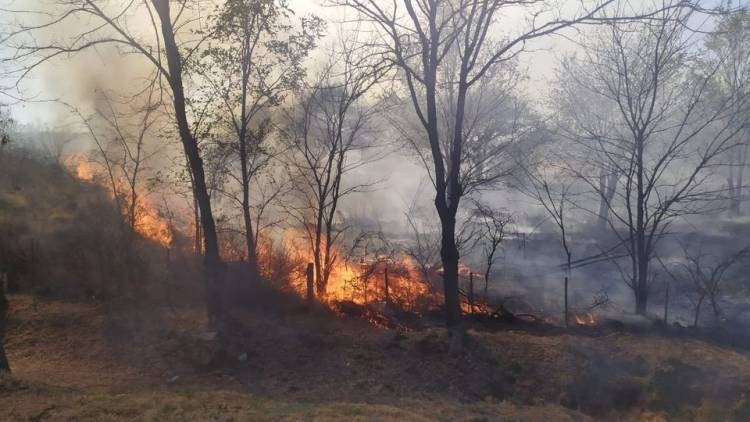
{"x": 90, "y": 361}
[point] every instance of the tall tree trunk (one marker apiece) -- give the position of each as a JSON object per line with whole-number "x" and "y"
{"x": 450, "y": 256}
{"x": 252, "y": 259}
{"x": 603, "y": 207}
{"x": 698, "y": 307}
{"x": 715, "y": 307}
{"x": 320, "y": 287}
{"x": 640, "y": 285}
{"x": 213, "y": 267}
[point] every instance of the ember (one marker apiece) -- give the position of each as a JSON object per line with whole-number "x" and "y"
{"x": 586, "y": 319}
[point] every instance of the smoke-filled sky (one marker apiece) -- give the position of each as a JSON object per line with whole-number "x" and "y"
{"x": 76, "y": 81}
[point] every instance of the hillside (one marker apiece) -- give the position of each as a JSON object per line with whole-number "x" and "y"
{"x": 75, "y": 360}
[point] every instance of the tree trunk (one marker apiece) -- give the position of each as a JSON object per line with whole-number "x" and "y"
{"x": 698, "y": 310}
{"x": 666, "y": 305}
{"x": 565, "y": 316}
{"x": 640, "y": 285}
{"x": 213, "y": 267}
{"x": 4, "y": 365}
{"x": 715, "y": 308}
{"x": 641, "y": 288}
{"x": 603, "y": 207}
{"x": 449, "y": 255}
{"x": 252, "y": 259}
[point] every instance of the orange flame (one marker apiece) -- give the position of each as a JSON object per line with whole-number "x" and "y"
{"x": 587, "y": 319}
{"x": 361, "y": 281}
{"x": 149, "y": 222}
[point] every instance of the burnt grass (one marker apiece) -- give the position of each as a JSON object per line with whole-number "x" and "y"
{"x": 275, "y": 347}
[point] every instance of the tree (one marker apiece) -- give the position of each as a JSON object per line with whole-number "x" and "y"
{"x": 420, "y": 38}
{"x": 166, "y": 53}
{"x": 667, "y": 133}
{"x": 254, "y": 60}
{"x": 706, "y": 274}
{"x": 493, "y": 227}
{"x": 555, "y": 199}
{"x": 328, "y": 125}
{"x": 585, "y": 117}
{"x": 728, "y": 48}
{"x": 120, "y": 131}
{"x": 424, "y": 247}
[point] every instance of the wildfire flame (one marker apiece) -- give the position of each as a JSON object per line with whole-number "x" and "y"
{"x": 149, "y": 222}
{"x": 361, "y": 280}
{"x": 587, "y": 319}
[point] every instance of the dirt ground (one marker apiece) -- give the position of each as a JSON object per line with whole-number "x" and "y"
{"x": 84, "y": 361}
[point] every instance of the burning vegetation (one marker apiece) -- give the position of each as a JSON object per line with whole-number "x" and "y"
{"x": 396, "y": 227}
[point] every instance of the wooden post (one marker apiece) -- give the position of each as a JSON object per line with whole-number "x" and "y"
{"x": 387, "y": 293}
{"x": 566, "y": 301}
{"x": 471, "y": 292}
{"x": 310, "y": 290}
{"x": 666, "y": 304}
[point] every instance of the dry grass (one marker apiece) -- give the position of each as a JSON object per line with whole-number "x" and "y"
{"x": 79, "y": 361}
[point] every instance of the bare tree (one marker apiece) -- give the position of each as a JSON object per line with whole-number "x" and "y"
{"x": 329, "y": 128}
{"x": 585, "y": 117}
{"x": 492, "y": 232}
{"x": 120, "y": 138}
{"x": 729, "y": 48}
{"x": 254, "y": 60}
{"x": 666, "y": 137}
{"x": 555, "y": 198}
{"x": 706, "y": 273}
{"x": 424, "y": 247}
{"x": 160, "y": 46}
{"x": 420, "y": 37}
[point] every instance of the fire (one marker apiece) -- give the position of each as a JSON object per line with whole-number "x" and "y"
{"x": 587, "y": 319}
{"x": 360, "y": 280}
{"x": 149, "y": 222}
{"x": 83, "y": 168}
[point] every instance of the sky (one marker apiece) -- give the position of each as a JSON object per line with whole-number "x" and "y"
{"x": 70, "y": 80}
{"x": 75, "y": 81}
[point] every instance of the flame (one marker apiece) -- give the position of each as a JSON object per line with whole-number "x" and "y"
{"x": 359, "y": 280}
{"x": 149, "y": 222}
{"x": 83, "y": 168}
{"x": 152, "y": 225}
{"x": 587, "y": 319}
